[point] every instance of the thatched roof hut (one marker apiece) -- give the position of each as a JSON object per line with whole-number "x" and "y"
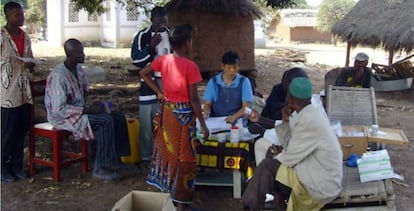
{"x": 379, "y": 23}
{"x": 219, "y": 26}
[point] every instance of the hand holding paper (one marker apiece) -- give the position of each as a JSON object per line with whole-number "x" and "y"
{"x": 29, "y": 60}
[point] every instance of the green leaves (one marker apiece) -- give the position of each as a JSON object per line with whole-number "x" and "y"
{"x": 331, "y": 11}
{"x": 98, "y": 6}
{"x": 280, "y": 4}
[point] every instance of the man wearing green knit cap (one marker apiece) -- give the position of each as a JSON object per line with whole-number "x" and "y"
{"x": 308, "y": 171}
{"x": 301, "y": 88}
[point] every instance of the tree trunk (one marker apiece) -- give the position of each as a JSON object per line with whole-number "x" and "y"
{"x": 348, "y": 52}
{"x": 334, "y": 40}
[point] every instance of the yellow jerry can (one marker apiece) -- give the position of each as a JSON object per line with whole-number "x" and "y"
{"x": 133, "y": 133}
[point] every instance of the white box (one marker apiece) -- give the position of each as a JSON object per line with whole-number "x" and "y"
{"x": 376, "y": 175}
{"x": 376, "y": 155}
{"x": 144, "y": 201}
{"x": 375, "y": 165}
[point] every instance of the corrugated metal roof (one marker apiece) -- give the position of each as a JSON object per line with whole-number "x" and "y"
{"x": 299, "y": 17}
{"x": 300, "y": 22}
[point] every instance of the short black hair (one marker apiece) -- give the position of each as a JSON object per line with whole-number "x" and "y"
{"x": 179, "y": 35}
{"x": 295, "y": 72}
{"x": 158, "y": 12}
{"x": 70, "y": 45}
{"x": 10, "y": 6}
{"x": 230, "y": 57}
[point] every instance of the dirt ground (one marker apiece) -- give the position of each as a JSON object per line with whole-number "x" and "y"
{"x": 79, "y": 191}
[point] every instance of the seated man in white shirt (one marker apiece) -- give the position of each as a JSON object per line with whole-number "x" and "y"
{"x": 310, "y": 164}
{"x": 270, "y": 140}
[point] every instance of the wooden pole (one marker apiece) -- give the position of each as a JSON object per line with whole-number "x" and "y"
{"x": 390, "y": 57}
{"x": 348, "y": 53}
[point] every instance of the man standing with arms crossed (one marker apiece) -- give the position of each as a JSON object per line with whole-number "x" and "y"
{"x": 149, "y": 43}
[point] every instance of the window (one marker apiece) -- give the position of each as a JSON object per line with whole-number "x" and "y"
{"x": 132, "y": 13}
{"x": 93, "y": 17}
{"x": 73, "y": 13}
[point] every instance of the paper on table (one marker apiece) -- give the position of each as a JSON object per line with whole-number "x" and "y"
{"x": 216, "y": 124}
{"x": 337, "y": 127}
{"x": 379, "y": 133}
{"x": 283, "y": 133}
{"x": 353, "y": 133}
{"x": 28, "y": 60}
{"x": 270, "y": 135}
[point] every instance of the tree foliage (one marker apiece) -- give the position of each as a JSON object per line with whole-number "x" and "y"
{"x": 92, "y": 6}
{"x": 300, "y": 4}
{"x": 331, "y": 11}
{"x": 22, "y": 2}
{"x": 35, "y": 16}
{"x": 280, "y": 4}
{"x": 97, "y": 6}
{"x": 2, "y": 16}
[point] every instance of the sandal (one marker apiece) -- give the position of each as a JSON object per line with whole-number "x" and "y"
{"x": 105, "y": 174}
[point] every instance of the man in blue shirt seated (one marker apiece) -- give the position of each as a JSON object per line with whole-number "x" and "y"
{"x": 228, "y": 93}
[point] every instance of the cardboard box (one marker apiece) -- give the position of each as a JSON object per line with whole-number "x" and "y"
{"x": 353, "y": 140}
{"x": 144, "y": 201}
{"x": 388, "y": 136}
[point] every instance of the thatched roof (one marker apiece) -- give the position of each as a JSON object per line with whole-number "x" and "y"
{"x": 234, "y": 7}
{"x": 374, "y": 23}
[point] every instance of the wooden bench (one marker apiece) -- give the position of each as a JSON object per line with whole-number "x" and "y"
{"x": 368, "y": 196}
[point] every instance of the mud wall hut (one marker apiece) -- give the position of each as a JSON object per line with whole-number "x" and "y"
{"x": 219, "y": 26}
{"x": 378, "y": 23}
{"x": 299, "y": 25}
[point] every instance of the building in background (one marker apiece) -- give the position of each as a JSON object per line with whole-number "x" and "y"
{"x": 299, "y": 25}
{"x": 114, "y": 28}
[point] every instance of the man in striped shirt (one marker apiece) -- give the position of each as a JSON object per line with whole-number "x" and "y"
{"x": 65, "y": 92}
{"x": 149, "y": 43}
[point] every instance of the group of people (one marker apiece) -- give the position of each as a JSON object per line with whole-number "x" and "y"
{"x": 306, "y": 168}
{"x": 304, "y": 172}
